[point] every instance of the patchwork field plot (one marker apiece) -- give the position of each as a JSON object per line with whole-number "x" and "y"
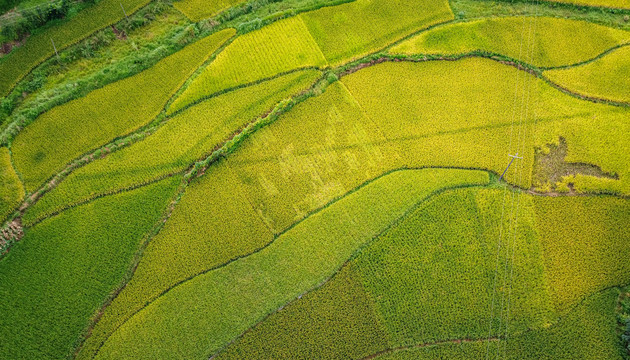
{"x": 58, "y": 276}
{"x": 174, "y": 147}
{"x": 545, "y": 42}
{"x": 283, "y": 46}
{"x": 605, "y": 78}
{"x": 68, "y": 131}
{"x": 454, "y": 124}
{"x": 412, "y": 299}
{"x": 225, "y": 302}
{"x": 319, "y": 179}
{"x": 346, "y": 31}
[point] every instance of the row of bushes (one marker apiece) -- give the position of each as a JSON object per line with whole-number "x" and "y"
{"x": 23, "y": 22}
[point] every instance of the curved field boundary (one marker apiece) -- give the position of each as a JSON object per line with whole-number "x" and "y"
{"x": 39, "y": 47}
{"x": 516, "y": 337}
{"x": 243, "y": 352}
{"x": 323, "y": 208}
{"x": 341, "y": 71}
{"x": 503, "y": 35}
{"x": 607, "y": 77}
{"x": 193, "y": 136}
{"x": 388, "y": 185}
{"x": 437, "y": 343}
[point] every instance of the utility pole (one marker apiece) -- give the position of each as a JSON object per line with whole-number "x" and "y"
{"x": 514, "y": 157}
{"x": 54, "y": 47}
{"x": 124, "y": 12}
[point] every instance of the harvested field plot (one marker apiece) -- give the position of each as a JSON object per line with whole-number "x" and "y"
{"x": 319, "y": 179}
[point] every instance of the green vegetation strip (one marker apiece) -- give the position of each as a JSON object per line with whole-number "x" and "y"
{"x": 542, "y": 42}
{"x": 604, "y": 78}
{"x": 39, "y": 46}
{"x": 70, "y": 130}
{"x": 53, "y": 281}
{"x": 175, "y": 146}
{"x": 223, "y": 303}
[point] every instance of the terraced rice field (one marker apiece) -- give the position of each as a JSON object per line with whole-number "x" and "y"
{"x": 317, "y": 179}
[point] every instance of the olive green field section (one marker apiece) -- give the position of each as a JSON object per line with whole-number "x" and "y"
{"x": 351, "y": 30}
{"x": 606, "y": 78}
{"x": 200, "y": 316}
{"x": 539, "y": 41}
{"x": 467, "y": 110}
{"x": 430, "y": 279}
{"x": 197, "y": 10}
{"x": 600, "y": 247}
{"x": 182, "y": 140}
{"x": 39, "y": 47}
{"x": 280, "y": 47}
{"x": 70, "y": 130}
{"x": 592, "y": 322}
{"x": 212, "y": 224}
{"x": 11, "y": 188}
{"x": 427, "y": 279}
{"x": 57, "y": 276}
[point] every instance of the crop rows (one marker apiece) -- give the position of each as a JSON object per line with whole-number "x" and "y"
{"x": 55, "y": 279}
{"x": 174, "y": 146}
{"x": 605, "y": 78}
{"x": 212, "y": 224}
{"x": 591, "y": 322}
{"x": 12, "y": 191}
{"x": 355, "y": 29}
{"x": 282, "y": 46}
{"x": 411, "y": 279}
{"x": 223, "y": 303}
{"x": 555, "y": 41}
{"x": 197, "y": 10}
{"x": 39, "y": 46}
{"x": 314, "y": 39}
{"x": 429, "y": 280}
{"x": 600, "y": 246}
{"x": 467, "y": 100}
{"x": 68, "y": 131}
